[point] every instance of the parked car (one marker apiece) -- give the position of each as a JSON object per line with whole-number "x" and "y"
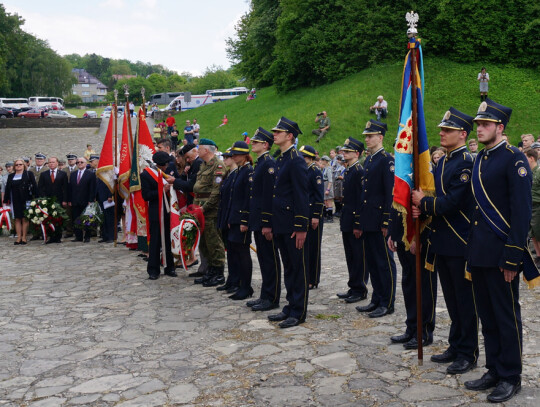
{"x": 33, "y": 113}
{"x": 90, "y": 114}
{"x": 6, "y": 113}
{"x": 108, "y": 110}
{"x": 17, "y": 110}
{"x": 60, "y": 114}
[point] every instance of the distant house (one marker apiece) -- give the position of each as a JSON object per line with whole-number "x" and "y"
{"x": 118, "y": 77}
{"x": 88, "y": 87}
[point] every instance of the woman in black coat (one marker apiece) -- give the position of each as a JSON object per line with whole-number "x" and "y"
{"x": 21, "y": 187}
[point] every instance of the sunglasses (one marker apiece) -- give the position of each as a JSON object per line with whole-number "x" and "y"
{"x": 80, "y": 162}
{"x": 18, "y": 165}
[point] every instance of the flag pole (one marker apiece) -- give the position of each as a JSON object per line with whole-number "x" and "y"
{"x": 126, "y": 111}
{"x": 115, "y": 114}
{"x": 411, "y": 33}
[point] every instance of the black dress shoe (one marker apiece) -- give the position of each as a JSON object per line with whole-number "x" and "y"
{"x": 242, "y": 295}
{"x": 290, "y": 322}
{"x": 264, "y": 305}
{"x": 16, "y": 243}
{"x": 251, "y": 303}
{"x": 367, "y": 308}
{"x": 203, "y": 279}
{"x": 77, "y": 240}
{"x": 381, "y": 312}
{"x": 87, "y": 240}
{"x": 460, "y": 366}
{"x": 504, "y": 392}
{"x": 401, "y": 338}
{"x": 196, "y": 274}
{"x": 278, "y": 317}
{"x": 101, "y": 241}
{"x": 171, "y": 273}
{"x": 153, "y": 277}
{"x": 355, "y": 298}
{"x": 445, "y": 357}
{"x": 232, "y": 289}
{"x": 214, "y": 281}
{"x": 193, "y": 264}
{"x": 344, "y": 295}
{"x": 413, "y": 343}
{"x": 223, "y": 287}
{"x": 487, "y": 381}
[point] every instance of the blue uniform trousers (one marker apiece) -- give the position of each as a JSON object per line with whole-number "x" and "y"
{"x": 355, "y": 258}
{"x": 500, "y": 313}
{"x": 295, "y": 276}
{"x": 268, "y": 256}
{"x": 382, "y": 269}
{"x": 313, "y": 242}
{"x": 107, "y": 228}
{"x": 429, "y": 293}
{"x": 459, "y": 297}
{"x": 233, "y": 278}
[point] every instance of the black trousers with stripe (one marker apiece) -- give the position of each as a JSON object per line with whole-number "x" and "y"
{"x": 313, "y": 248}
{"x": 295, "y": 276}
{"x": 382, "y": 269}
{"x": 268, "y": 256}
{"x": 500, "y": 313}
{"x": 355, "y": 258}
{"x": 460, "y": 303}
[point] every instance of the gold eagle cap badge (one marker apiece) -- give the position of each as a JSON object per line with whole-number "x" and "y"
{"x": 447, "y": 115}
{"x": 483, "y": 107}
{"x": 368, "y": 125}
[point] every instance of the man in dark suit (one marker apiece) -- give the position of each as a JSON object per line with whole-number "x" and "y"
{"x": 154, "y": 191}
{"x": 68, "y": 169}
{"x": 54, "y": 183}
{"x": 290, "y": 217}
{"x": 81, "y": 192}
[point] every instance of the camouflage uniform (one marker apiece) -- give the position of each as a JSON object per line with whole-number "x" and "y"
{"x": 206, "y": 190}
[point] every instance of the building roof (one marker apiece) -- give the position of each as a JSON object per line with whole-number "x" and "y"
{"x": 84, "y": 77}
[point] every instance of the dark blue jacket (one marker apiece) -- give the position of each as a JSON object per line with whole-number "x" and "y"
{"x": 316, "y": 192}
{"x": 238, "y": 209}
{"x": 85, "y": 191}
{"x": 378, "y": 185}
{"x": 452, "y": 206}
{"x": 102, "y": 192}
{"x": 224, "y": 199}
{"x": 507, "y": 179}
{"x": 150, "y": 193}
{"x": 352, "y": 198}
{"x": 262, "y": 189}
{"x": 290, "y": 206}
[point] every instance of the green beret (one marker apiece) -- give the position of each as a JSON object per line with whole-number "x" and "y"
{"x": 207, "y": 142}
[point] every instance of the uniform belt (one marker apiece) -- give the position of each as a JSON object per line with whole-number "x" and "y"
{"x": 202, "y": 196}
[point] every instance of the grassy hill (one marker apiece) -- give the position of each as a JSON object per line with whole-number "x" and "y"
{"x": 347, "y": 102}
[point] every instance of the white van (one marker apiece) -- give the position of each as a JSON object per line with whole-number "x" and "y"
{"x": 196, "y": 101}
{"x": 13, "y": 102}
{"x": 46, "y": 101}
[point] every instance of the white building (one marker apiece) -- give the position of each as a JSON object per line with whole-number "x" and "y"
{"x": 89, "y": 88}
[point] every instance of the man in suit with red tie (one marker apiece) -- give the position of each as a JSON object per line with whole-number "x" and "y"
{"x": 54, "y": 183}
{"x": 81, "y": 192}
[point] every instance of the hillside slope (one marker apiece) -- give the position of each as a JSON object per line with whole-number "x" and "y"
{"x": 347, "y": 102}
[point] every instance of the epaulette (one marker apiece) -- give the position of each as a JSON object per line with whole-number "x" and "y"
{"x": 513, "y": 149}
{"x": 468, "y": 157}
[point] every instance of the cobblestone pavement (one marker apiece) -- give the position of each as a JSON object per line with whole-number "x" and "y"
{"x": 80, "y": 324}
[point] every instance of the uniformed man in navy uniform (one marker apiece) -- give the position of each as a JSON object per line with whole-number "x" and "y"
{"x": 451, "y": 210}
{"x": 497, "y": 252}
{"x": 351, "y": 232}
{"x": 290, "y": 218}
{"x": 316, "y": 210}
{"x": 260, "y": 215}
{"x": 377, "y": 196}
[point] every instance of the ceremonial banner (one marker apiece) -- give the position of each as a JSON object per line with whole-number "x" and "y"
{"x": 404, "y": 171}
{"x": 125, "y": 161}
{"x": 143, "y": 149}
{"x": 178, "y": 206}
{"x": 105, "y": 170}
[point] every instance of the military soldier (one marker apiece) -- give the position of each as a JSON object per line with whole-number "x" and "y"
{"x": 94, "y": 162}
{"x": 377, "y": 195}
{"x": 40, "y": 166}
{"x": 68, "y": 169}
{"x": 290, "y": 217}
{"x": 501, "y": 184}
{"x": 351, "y": 231}
{"x": 451, "y": 211}
{"x": 206, "y": 191}
{"x": 260, "y": 215}
{"x": 239, "y": 235}
{"x": 316, "y": 210}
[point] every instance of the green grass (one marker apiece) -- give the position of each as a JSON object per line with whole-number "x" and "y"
{"x": 347, "y": 101}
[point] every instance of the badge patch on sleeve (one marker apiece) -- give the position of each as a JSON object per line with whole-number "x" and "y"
{"x": 218, "y": 180}
{"x": 392, "y": 168}
{"x": 464, "y": 177}
{"x": 271, "y": 170}
{"x": 522, "y": 171}
{"x": 319, "y": 181}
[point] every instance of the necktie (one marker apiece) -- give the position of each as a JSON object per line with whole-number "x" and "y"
{"x": 79, "y": 177}
{"x": 52, "y": 176}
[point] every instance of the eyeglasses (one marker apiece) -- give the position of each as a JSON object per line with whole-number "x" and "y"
{"x": 18, "y": 165}
{"x": 80, "y": 162}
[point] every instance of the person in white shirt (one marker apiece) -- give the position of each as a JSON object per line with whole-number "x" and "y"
{"x": 380, "y": 108}
{"x": 483, "y": 78}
